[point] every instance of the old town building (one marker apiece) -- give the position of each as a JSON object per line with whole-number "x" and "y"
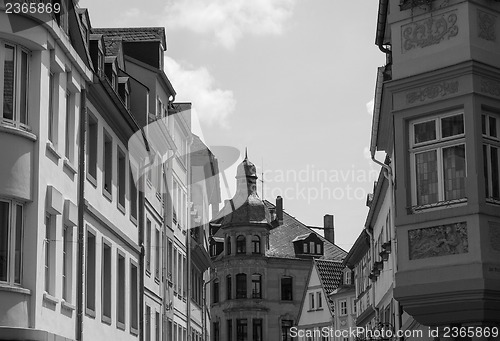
{"x": 262, "y": 257}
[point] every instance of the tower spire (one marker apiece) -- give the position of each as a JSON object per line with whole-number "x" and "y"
{"x": 246, "y": 153}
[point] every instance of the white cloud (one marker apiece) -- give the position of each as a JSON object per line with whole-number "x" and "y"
{"x": 229, "y": 20}
{"x": 212, "y": 105}
{"x": 370, "y": 106}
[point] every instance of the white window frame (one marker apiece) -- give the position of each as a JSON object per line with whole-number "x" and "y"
{"x": 489, "y": 142}
{"x": 438, "y": 144}
{"x": 12, "y": 242}
{"x": 343, "y": 308}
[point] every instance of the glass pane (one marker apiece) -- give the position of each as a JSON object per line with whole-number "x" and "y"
{"x": 425, "y": 131}
{"x": 486, "y": 171}
{"x": 8, "y": 83}
{"x": 452, "y": 125}
{"x": 23, "y": 95}
{"x": 483, "y": 124}
{"x": 495, "y": 190}
{"x": 427, "y": 177}
{"x": 493, "y": 126}
{"x": 19, "y": 243}
{"x": 454, "y": 172}
{"x": 4, "y": 239}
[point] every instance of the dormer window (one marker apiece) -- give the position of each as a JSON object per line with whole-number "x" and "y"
{"x": 308, "y": 244}
{"x": 305, "y": 248}
{"x": 61, "y": 15}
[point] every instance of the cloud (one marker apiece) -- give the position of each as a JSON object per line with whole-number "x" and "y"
{"x": 370, "y": 106}
{"x": 212, "y": 105}
{"x": 229, "y": 20}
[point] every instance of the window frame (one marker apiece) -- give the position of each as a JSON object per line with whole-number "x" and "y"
{"x": 256, "y": 245}
{"x": 256, "y": 285}
{"x": 438, "y": 144}
{"x": 241, "y": 244}
{"x": 241, "y": 286}
{"x": 283, "y": 288}
{"x": 13, "y": 273}
{"x": 492, "y": 193}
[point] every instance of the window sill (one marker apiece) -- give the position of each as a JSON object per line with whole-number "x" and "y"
{"x": 90, "y": 313}
{"x": 69, "y": 166}
{"x": 106, "y": 319}
{"x": 120, "y": 325}
{"x": 92, "y": 180}
{"x": 14, "y": 288}
{"x": 157, "y": 280}
{"x": 51, "y": 148}
{"x": 148, "y": 273}
{"x": 437, "y": 205}
{"x": 67, "y": 305}
{"x": 134, "y": 331}
{"x": 17, "y": 131}
{"x": 133, "y": 220}
{"x": 121, "y": 208}
{"x": 492, "y": 201}
{"x": 50, "y": 299}
{"x": 107, "y": 195}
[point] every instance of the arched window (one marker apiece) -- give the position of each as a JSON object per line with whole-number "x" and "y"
{"x": 228, "y": 245}
{"x": 216, "y": 291}
{"x": 256, "y": 286}
{"x": 229, "y": 288}
{"x": 256, "y": 244}
{"x": 241, "y": 286}
{"x": 241, "y": 244}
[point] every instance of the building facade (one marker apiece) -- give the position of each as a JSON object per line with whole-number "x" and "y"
{"x": 261, "y": 259}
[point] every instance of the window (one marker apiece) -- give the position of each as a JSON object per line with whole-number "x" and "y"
{"x": 256, "y": 286}
{"x": 147, "y": 326}
{"x": 228, "y": 287}
{"x": 286, "y": 325}
{"x": 49, "y": 244}
{"x": 343, "y": 307}
{"x": 229, "y": 333}
{"x": 319, "y": 249}
{"x": 147, "y": 246}
{"x": 353, "y": 305}
{"x": 169, "y": 261}
{"x": 215, "y": 297}
{"x": 157, "y": 254}
{"x": 216, "y": 331}
{"x": 107, "y": 163}
{"x": 106, "y": 282}
{"x": 241, "y": 286}
{"x": 240, "y": 244}
{"x": 184, "y": 281}
{"x": 121, "y": 179}
{"x": 62, "y": 16}
{"x": 319, "y": 301}
{"x": 175, "y": 269}
{"x": 179, "y": 273}
{"x": 305, "y": 247}
{"x": 438, "y": 160}
{"x": 134, "y": 314}
{"x": 14, "y": 76}
{"x": 347, "y": 278}
{"x": 11, "y": 238}
{"x": 491, "y": 156}
{"x": 257, "y": 329}
{"x": 92, "y": 148}
{"x": 157, "y": 326}
{"x": 133, "y": 196}
{"x": 311, "y": 301}
{"x": 91, "y": 273}
{"x": 67, "y": 263}
{"x": 69, "y": 125}
{"x": 228, "y": 245}
{"x": 120, "y": 291}
{"x": 241, "y": 330}
{"x": 256, "y": 244}
{"x": 286, "y": 289}
{"x": 53, "y": 106}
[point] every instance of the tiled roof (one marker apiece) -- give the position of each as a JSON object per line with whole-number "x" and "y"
{"x": 330, "y": 275}
{"x": 281, "y": 239}
{"x": 135, "y": 33}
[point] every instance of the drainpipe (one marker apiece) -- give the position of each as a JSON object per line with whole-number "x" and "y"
{"x": 141, "y": 214}
{"x": 81, "y": 204}
{"x": 188, "y": 241}
{"x": 205, "y": 307}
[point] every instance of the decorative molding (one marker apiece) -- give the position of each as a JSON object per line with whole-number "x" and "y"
{"x": 450, "y": 239}
{"x": 432, "y": 91}
{"x": 430, "y": 31}
{"x": 490, "y": 87}
{"x": 486, "y": 26}
{"x": 495, "y": 235}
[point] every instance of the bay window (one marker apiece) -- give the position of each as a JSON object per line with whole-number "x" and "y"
{"x": 490, "y": 125}
{"x": 14, "y": 72}
{"x": 437, "y": 156}
{"x": 11, "y": 236}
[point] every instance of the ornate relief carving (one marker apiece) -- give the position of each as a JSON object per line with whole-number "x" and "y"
{"x": 432, "y": 91}
{"x": 429, "y": 31}
{"x": 436, "y": 241}
{"x": 490, "y": 87}
{"x": 486, "y": 26}
{"x": 495, "y": 236}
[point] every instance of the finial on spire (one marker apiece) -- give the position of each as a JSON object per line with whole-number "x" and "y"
{"x": 246, "y": 153}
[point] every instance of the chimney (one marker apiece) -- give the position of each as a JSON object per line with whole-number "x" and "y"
{"x": 329, "y": 229}
{"x": 279, "y": 209}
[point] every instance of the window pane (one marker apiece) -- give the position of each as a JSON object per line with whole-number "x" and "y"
{"x": 483, "y": 124}
{"x": 454, "y": 172}
{"x": 495, "y": 191}
{"x": 452, "y": 125}
{"x": 493, "y": 126}
{"x": 4, "y": 239}
{"x": 425, "y": 131}
{"x": 19, "y": 240}
{"x": 23, "y": 96}
{"x": 8, "y": 83}
{"x": 486, "y": 171}
{"x": 427, "y": 177}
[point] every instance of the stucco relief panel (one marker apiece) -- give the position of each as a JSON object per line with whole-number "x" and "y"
{"x": 449, "y": 239}
{"x": 430, "y": 31}
{"x": 490, "y": 87}
{"x": 431, "y": 92}
{"x": 495, "y": 236}
{"x": 486, "y": 26}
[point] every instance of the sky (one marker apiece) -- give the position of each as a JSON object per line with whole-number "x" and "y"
{"x": 291, "y": 80}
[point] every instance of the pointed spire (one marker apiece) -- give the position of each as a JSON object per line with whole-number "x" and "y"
{"x": 246, "y": 153}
